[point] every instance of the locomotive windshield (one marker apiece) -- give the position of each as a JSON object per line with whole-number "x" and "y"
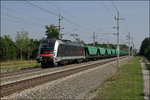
{"x": 47, "y": 46}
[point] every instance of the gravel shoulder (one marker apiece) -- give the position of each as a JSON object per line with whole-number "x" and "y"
{"x": 75, "y": 86}
{"x": 146, "y": 80}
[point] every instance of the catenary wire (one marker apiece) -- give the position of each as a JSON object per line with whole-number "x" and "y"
{"x": 107, "y": 8}
{"x": 86, "y": 24}
{"x": 25, "y": 14}
{"x": 41, "y": 8}
{"x": 20, "y": 19}
{"x": 75, "y": 24}
{"x": 114, "y": 6}
{"x": 89, "y": 26}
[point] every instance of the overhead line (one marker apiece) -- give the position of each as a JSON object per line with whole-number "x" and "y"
{"x": 56, "y": 15}
{"x": 13, "y": 20}
{"x": 51, "y": 13}
{"x": 88, "y": 26}
{"x": 70, "y": 31}
{"x": 41, "y": 8}
{"x": 23, "y": 13}
{"x": 126, "y": 26}
{"x": 114, "y": 6}
{"x": 19, "y": 18}
{"x": 107, "y": 8}
{"x": 40, "y": 19}
{"x": 63, "y": 11}
{"x": 102, "y": 35}
{"x": 69, "y": 14}
{"x": 18, "y": 21}
{"x": 76, "y": 24}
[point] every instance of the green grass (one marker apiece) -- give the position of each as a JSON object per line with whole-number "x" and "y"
{"x": 127, "y": 83}
{"x": 17, "y": 64}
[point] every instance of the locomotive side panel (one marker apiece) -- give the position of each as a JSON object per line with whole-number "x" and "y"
{"x": 68, "y": 52}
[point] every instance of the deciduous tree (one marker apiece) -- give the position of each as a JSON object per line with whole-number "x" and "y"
{"x": 145, "y": 48}
{"x": 7, "y": 48}
{"x": 22, "y": 42}
{"x": 52, "y": 31}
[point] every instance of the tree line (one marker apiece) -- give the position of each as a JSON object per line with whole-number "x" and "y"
{"x": 145, "y": 48}
{"x": 22, "y": 48}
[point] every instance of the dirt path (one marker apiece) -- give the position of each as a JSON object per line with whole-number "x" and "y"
{"x": 146, "y": 79}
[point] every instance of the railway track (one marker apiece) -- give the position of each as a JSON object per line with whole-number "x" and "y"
{"x": 26, "y": 74}
{"x": 21, "y": 71}
{"x": 24, "y": 71}
{"x": 11, "y": 88}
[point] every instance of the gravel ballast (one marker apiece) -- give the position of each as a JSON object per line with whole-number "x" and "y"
{"x": 75, "y": 86}
{"x": 24, "y": 76}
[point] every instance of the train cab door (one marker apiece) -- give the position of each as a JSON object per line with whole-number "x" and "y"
{"x": 60, "y": 52}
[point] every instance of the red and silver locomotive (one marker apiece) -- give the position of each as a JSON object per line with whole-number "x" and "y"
{"x": 55, "y": 51}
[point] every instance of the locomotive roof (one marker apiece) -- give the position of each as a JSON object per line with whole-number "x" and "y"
{"x": 45, "y": 40}
{"x": 67, "y": 42}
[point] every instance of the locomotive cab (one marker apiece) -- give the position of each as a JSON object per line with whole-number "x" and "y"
{"x": 46, "y": 52}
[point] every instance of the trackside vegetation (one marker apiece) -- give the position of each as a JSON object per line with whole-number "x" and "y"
{"x": 145, "y": 48}
{"x": 17, "y": 64}
{"x": 126, "y": 84}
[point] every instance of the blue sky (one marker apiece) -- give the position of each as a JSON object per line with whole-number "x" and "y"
{"x": 88, "y": 16}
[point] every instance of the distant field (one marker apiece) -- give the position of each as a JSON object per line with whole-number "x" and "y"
{"x": 127, "y": 83}
{"x": 17, "y": 64}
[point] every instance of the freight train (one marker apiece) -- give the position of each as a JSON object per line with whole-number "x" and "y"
{"x": 54, "y": 52}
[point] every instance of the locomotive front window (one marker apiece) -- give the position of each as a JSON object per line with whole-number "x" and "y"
{"x": 47, "y": 46}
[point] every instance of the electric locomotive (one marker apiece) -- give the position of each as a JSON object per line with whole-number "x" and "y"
{"x": 56, "y": 51}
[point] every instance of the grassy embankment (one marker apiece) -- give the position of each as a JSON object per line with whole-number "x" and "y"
{"x": 127, "y": 83}
{"x": 17, "y": 64}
